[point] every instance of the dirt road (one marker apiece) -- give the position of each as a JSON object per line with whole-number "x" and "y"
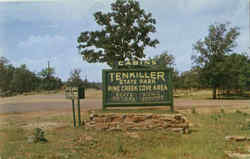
{"x": 38, "y": 103}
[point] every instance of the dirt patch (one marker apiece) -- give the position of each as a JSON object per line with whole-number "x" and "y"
{"x": 43, "y": 125}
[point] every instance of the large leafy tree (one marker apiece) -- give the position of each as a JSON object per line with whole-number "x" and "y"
{"x": 211, "y": 54}
{"x": 124, "y": 35}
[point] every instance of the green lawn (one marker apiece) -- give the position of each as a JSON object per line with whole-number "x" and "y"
{"x": 207, "y": 94}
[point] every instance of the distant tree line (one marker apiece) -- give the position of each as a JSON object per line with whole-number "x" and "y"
{"x": 19, "y": 80}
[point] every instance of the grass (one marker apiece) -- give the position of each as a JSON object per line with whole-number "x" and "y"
{"x": 206, "y": 140}
{"x": 207, "y": 94}
{"x": 194, "y": 94}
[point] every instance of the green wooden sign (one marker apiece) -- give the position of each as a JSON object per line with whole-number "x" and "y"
{"x": 137, "y": 87}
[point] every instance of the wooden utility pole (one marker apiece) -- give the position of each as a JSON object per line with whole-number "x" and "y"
{"x": 48, "y": 70}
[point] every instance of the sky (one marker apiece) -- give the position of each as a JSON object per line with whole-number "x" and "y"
{"x": 33, "y": 32}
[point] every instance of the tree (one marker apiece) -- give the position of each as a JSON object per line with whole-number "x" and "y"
{"x": 165, "y": 60}
{"x": 124, "y": 35}
{"x": 6, "y": 75}
{"x": 189, "y": 79}
{"x": 3, "y": 62}
{"x": 23, "y": 80}
{"x": 46, "y": 73}
{"x": 211, "y": 53}
{"x": 75, "y": 78}
{"x": 48, "y": 79}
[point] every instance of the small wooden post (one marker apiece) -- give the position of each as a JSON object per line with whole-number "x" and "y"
{"x": 103, "y": 89}
{"x": 73, "y": 109}
{"x": 170, "y": 84}
{"x": 79, "y": 112}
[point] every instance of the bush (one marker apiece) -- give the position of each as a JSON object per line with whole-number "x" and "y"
{"x": 39, "y": 136}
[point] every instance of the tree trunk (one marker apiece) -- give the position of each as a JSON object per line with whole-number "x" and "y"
{"x": 214, "y": 93}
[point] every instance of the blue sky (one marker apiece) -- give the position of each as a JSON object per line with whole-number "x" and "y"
{"x": 33, "y": 32}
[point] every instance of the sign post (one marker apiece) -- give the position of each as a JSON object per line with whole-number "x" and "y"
{"x": 75, "y": 93}
{"x": 137, "y": 87}
{"x": 79, "y": 111}
{"x": 73, "y": 110}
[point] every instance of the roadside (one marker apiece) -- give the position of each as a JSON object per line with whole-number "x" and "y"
{"x": 206, "y": 140}
{"x": 51, "y": 102}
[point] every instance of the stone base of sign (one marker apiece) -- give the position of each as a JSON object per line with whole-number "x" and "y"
{"x": 127, "y": 122}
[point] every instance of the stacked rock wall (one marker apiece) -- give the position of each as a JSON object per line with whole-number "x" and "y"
{"x": 119, "y": 121}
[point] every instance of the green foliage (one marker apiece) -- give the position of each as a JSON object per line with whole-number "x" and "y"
{"x": 52, "y": 83}
{"x": 222, "y": 111}
{"x": 48, "y": 81}
{"x": 167, "y": 61}
{"x": 164, "y": 60}
{"x": 47, "y": 73}
{"x": 216, "y": 116}
{"x": 39, "y": 136}
{"x": 246, "y": 126}
{"x": 189, "y": 79}
{"x": 236, "y": 68}
{"x": 212, "y": 52}
{"x": 238, "y": 111}
{"x": 23, "y": 80}
{"x": 16, "y": 80}
{"x": 119, "y": 146}
{"x": 124, "y": 34}
{"x": 75, "y": 78}
{"x": 6, "y": 72}
{"x": 193, "y": 110}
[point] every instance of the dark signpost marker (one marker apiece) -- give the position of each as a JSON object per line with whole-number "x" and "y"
{"x": 137, "y": 87}
{"x": 75, "y": 93}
